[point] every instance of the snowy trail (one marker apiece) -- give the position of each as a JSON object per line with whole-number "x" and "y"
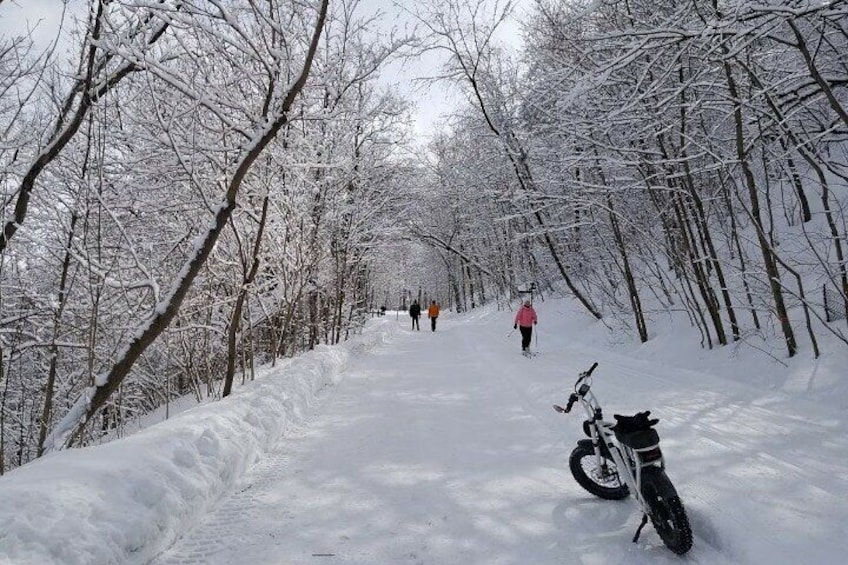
{"x": 442, "y": 448}
{"x": 418, "y": 457}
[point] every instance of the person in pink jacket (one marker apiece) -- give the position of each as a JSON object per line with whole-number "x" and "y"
{"x": 525, "y": 319}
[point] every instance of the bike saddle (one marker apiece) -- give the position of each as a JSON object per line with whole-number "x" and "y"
{"x": 637, "y": 422}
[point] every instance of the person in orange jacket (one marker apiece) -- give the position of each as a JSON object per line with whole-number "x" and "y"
{"x": 433, "y": 313}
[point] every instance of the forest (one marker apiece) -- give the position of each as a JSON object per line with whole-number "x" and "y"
{"x": 192, "y": 188}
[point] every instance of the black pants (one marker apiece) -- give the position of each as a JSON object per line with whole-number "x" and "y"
{"x": 415, "y": 325}
{"x": 433, "y": 323}
{"x": 526, "y": 334}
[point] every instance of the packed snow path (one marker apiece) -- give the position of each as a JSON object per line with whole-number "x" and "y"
{"x": 442, "y": 448}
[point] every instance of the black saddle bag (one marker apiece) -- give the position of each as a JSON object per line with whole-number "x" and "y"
{"x": 636, "y": 431}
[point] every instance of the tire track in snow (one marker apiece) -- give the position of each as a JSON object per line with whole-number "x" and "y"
{"x": 210, "y": 535}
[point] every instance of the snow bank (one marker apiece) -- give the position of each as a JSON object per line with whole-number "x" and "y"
{"x": 125, "y": 501}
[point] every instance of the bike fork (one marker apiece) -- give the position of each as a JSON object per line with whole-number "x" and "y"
{"x": 641, "y": 525}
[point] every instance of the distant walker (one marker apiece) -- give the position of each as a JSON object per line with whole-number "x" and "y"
{"x": 415, "y": 313}
{"x": 433, "y": 313}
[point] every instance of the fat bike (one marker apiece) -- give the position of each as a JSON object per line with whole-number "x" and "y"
{"x": 624, "y": 457}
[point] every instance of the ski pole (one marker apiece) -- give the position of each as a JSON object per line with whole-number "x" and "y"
{"x": 509, "y": 335}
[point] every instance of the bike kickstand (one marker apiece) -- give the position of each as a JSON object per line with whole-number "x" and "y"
{"x": 639, "y": 529}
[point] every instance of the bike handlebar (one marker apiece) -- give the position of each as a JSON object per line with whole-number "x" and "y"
{"x": 574, "y": 395}
{"x": 585, "y": 374}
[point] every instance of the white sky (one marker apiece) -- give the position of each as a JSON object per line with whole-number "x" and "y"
{"x": 45, "y": 16}
{"x": 435, "y": 100}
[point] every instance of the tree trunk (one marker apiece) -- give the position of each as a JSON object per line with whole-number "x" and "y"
{"x": 47, "y": 409}
{"x": 235, "y": 319}
{"x": 632, "y": 290}
{"x": 768, "y": 259}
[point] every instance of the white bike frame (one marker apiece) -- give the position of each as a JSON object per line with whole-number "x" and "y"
{"x": 601, "y": 430}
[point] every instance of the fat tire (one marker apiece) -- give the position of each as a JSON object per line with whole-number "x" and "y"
{"x": 575, "y": 464}
{"x": 667, "y": 513}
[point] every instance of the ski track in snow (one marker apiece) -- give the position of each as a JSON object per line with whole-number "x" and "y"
{"x": 443, "y": 448}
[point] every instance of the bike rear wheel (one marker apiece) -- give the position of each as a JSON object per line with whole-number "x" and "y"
{"x": 601, "y": 480}
{"x": 667, "y": 513}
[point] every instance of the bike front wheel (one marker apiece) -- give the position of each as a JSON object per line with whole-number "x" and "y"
{"x": 667, "y": 513}
{"x": 602, "y": 479}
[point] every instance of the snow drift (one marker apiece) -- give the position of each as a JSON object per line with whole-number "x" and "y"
{"x": 124, "y": 501}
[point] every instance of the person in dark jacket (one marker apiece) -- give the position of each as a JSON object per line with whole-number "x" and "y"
{"x": 415, "y": 313}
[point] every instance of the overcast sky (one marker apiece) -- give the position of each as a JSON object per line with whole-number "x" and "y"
{"x": 433, "y": 102}
{"x": 41, "y": 16}
{"x": 45, "y": 16}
